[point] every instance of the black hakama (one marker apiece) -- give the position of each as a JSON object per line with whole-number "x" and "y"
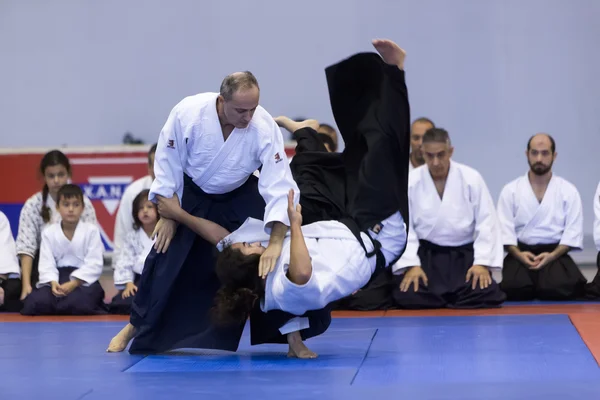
{"x": 368, "y": 182}
{"x": 592, "y": 289}
{"x": 84, "y": 300}
{"x": 171, "y": 308}
{"x": 12, "y": 295}
{"x": 559, "y": 280}
{"x": 446, "y": 269}
{"x": 121, "y": 306}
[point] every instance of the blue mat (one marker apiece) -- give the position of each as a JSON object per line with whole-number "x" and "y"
{"x": 541, "y": 348}
{"x": 494, "y": 357}
{"x": 339, "y": 349}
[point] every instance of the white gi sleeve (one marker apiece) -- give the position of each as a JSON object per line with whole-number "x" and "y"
{"x": 29, "y": 229}
{"x": 9, "y": 263}
{"x": 410, "y": 258}
{"x": 573, "y": 234}
{"x": 125, "y": 260}
{"x": 124, "y": 221}
{"x": 170, "y": 160}
{"x": 597, "y": 218}
{"x": 275, "y": 180}
{"x": 48, "y": 271}
{"x": 506, "y": 218}
{"x": 488, "y": 249}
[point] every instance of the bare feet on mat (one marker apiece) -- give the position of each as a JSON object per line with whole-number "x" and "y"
{"x": 297, "y": 347}
{"x": 390, "y": 52}
{"x": 120, "y": 342}
{"x": 292, "y": 126}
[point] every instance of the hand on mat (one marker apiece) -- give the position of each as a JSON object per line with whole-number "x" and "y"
{"x": 479, "y": 274}
{"x": 67, "y": 287}
{"x": 25, "y": 290}
{"x": 56, "y": 289}
{"x": 130, "y": 290}
{"x": 542, "y": 259}
{"x": 528, "y": 258}
{"x": 169, "y": 207}
{"x": 164, "y": 232}
{"x": 294, "y": 213}
{"x": 411, "y": 277}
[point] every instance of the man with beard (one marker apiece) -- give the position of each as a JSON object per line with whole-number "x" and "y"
{"x": 417, "y": 130}
{"x": 541, "y": 221}
{"x": 453, "y": 237}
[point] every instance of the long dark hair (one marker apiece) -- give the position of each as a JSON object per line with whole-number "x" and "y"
{"x": 138, "y": 202}
{"x": 240, "y": 286}
{"x": 51, "y": 159}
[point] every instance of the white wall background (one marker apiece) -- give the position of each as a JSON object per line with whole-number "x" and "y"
{"x": 82, "y": 72}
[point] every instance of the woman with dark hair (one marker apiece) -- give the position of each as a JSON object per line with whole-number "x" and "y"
{"x": 355, "y": 205}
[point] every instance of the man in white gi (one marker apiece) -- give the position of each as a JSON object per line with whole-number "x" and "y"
{"x": 453, "y": 239}
{"x": 541, "y": 221}
{"x": 351, "y": 222}
{"x": 417, "y": 130}
{"x": 207, "y": 152}
{"x": 124, "y": 223}
{"x": 10, "y": 272}
{"x": 593, "y": 288}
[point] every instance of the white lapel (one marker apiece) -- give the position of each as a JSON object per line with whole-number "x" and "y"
{"x": 213, "y": 127}
{"x": 78, "y": 244}
{"x": 424, "y": 201}
{"x": 61, "y": 244}
{"x": 458, "y": 202}
{"x": 530, "y": 213}
{"x": 144, "y": 240}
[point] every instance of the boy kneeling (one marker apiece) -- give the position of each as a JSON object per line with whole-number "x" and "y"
{"x": 71, "y": 262}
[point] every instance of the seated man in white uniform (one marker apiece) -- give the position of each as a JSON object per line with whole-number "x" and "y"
{"x": 335, "y": 253}
{"x": 541, "y": 221}
{"x": 593, "y": 288}
{"x": 10, "y": 271}
{"x": 453, "y": 239}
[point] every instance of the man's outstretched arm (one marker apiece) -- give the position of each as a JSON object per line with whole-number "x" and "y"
{"x": 207, "y": 230}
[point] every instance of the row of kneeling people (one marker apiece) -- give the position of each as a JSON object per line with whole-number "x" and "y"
{"x": 57, "y": 260}
{"x": 457, "y": 235}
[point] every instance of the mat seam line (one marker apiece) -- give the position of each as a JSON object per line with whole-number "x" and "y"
{"x": 364, "y": 357}
{"x": 85, "y": 394}
{"x": 134, "y": 364}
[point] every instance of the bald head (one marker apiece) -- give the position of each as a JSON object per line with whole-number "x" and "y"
{"x": 542, "y": 139}
{"x": 238, "y": 99}
{"x": 236, "y": 82}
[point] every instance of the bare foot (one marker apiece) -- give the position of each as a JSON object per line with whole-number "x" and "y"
{"x": 120, "y": 342}
{"x": 297, "y": 347}
{"x": 293, "y": 126}
{"x": 390, "y": 52}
